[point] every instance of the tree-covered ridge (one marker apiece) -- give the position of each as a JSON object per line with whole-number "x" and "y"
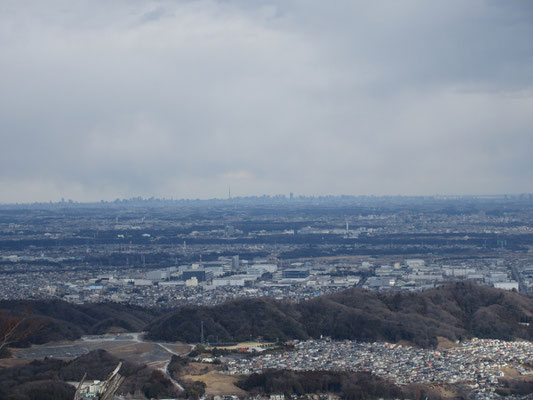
{"x": 457, "y": 311}
{"x": 44, "y": 321}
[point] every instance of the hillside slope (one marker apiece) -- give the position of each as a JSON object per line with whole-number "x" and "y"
{"x": 49, "y": 320}
{"x": 45, "y": 379}
{"x": 456, "y": 312}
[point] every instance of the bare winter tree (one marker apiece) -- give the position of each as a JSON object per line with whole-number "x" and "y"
{"x": 16, "y": 328}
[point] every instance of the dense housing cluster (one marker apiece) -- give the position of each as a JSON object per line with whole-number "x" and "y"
{"x": 479, "y": 363}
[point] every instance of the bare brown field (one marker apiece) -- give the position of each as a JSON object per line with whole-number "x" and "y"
{"x": 444, "y": 343}
{"x": 217, "y": 383}
{"x": 447, "y": 391}
{"x": 405, "y": 343}
{"x": 13, "y": 362}
{"x": 178, "y": 347}
{"x": 135, "y": 348}
{"x": 514, "y": 374}
{"x": 132, "y": 352}
{"x": 196, "y": 369}
{"x": 243, "y": 345}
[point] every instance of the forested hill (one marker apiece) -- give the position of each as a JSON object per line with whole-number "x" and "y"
{"x": 43, "y": 321}
{"x": 46, "y": 379}
{"x": 457, "y": 311}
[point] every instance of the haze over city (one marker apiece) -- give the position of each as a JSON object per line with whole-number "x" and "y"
{"x": 184, "y": 99}
{"x": 266, "y": 200}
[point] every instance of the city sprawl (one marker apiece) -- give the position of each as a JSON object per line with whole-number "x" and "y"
{"x": 479, "y": 363}
{"x": 287, "y": 253}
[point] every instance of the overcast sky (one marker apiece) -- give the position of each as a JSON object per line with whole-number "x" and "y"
{"x": 183, "y": 99}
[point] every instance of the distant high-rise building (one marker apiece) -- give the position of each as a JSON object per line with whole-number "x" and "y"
{"x": 235, "y": 263}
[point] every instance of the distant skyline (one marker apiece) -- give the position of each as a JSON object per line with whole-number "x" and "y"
{"x": 184, "y": 99}
{"x": 282, "y": 197}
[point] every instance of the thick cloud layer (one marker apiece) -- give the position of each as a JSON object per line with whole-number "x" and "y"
{"x": 179, "y": 99}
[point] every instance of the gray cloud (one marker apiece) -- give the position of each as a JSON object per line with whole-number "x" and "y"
{"x": 118, "y": 99}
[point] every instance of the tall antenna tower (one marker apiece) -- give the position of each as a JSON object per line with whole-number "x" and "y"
{"x": 229, "y": 192}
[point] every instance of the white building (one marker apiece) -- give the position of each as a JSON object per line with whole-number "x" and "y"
{"x": 506, "y": 285}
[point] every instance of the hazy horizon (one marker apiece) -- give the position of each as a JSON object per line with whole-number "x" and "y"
{"x": 183, "y": 99}
{"x": 277, "y": 196}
